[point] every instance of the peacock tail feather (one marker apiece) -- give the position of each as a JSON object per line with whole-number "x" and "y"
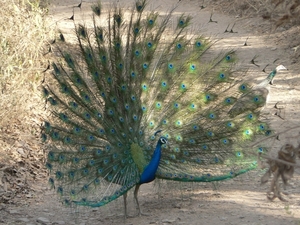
{"x": 127, "y": 83}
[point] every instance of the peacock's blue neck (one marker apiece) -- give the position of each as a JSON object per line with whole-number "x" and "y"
{"x": 272, "y": 74}
{"x": 270, "y": 77}
{"x": 148, "y": 174}
{"x": 267, "y": 80}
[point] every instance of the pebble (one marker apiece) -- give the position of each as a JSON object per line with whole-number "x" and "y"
{"x": 168, "y": 221}
{"x": 21, "y": 151}
{"x": 178, "y": 206}
{"x": 59, "y": 223}
{"x": 261, "y": 217}
{"x": 184, "y": 210}
{"x": 42, "y": 220}
{"x": 25, "y": 220}
{"x": 223, "y": 218}
{"x": 13, "y": 211}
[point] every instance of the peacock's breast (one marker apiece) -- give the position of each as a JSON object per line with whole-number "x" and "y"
{"x": 138, "y": 156}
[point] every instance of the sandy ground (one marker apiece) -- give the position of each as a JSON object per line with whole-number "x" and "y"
{"x": 238, "y": 201}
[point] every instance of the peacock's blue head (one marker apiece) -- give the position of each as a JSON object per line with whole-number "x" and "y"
{"x": 273, "y": 73}
{"x": 280, "y": 67}
{"x": 163, "y": 140}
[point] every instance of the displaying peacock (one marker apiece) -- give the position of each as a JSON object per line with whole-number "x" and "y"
{"x": 137, "y": 101}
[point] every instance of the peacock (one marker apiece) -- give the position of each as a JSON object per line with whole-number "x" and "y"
{"x": 257, "y": 96}
{"x": 136, "y": 99}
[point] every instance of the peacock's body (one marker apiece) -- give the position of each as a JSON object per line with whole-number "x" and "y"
{"x": 133, "y": 103}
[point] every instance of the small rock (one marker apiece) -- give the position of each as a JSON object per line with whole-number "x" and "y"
{"x": 13, "y": 211}
{"x": 177, "y": 206}
{"x": 59, "y": 222}
{"x": 184, "y": 210}
{"x": 273, "y": 49}
{"x": 285, "y": 193}
{"x": 29, "y": 195}
{"x": 42, "y": 220}
{"x": 261, "y": 217}
{"x": 168, "y": 221}
{"x": 21, "y": 151}
{"x": 25, "y": 220}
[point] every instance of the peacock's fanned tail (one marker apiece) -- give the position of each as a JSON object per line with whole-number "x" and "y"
{"x": 125, "y": 81}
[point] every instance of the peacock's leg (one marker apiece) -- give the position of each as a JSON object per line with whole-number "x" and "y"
{"x": 125, "y": 205}
{"x": 136, "y": 190}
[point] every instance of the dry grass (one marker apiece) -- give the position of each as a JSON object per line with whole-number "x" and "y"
{"x": 23, "y": 33}
{"x": 23, "y": 36}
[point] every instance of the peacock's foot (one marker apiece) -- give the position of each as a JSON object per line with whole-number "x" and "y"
{"x": 138, "y": 214}
{"x": 129, "y": 216}
{"x": 143, "y": 214}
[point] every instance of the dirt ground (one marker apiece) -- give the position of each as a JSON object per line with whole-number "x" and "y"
{"x": 238, "y": 201}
